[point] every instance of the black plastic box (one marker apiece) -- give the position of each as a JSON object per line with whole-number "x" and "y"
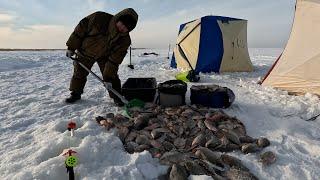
{"x": 140, "y": 88}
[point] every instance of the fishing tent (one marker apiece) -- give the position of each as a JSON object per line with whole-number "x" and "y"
{"x": 297, "y": 68}
{"x": 212, "y": 44}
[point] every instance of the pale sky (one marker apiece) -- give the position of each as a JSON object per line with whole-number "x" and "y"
{"x": 48, "y": 23}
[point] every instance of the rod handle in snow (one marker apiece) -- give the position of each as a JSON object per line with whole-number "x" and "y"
{"x": 70, "y": 171}
{"x": 70, "y": 162}
{"x": 71, "y": 126}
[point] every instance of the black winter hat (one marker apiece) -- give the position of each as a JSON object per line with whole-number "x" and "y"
{"x": 128, "y": 21}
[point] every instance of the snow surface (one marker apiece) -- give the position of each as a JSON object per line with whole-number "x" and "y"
{"x": 33, "y": 119}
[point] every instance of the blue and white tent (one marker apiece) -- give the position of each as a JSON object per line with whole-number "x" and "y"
{"x": 212, "y": 44}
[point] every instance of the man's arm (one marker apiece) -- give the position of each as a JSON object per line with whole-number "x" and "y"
{"x": 75, "y": 40}
{"x": 114, "y": 60}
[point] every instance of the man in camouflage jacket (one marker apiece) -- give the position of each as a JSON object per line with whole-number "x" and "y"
{"x": 102, "y": 38}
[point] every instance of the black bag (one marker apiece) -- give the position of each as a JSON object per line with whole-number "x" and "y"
{"x": 212, "y": 96}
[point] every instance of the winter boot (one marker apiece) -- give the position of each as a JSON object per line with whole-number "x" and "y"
{"x": 75, "y": 96}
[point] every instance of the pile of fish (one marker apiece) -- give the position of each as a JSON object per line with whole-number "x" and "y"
{"x": 191, "y": 140}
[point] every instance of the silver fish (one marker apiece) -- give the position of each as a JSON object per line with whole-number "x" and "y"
{"x": 249, "y": 148}
{"x": 131, "y": 136}
{"x": 232, "y": 136}
{"x": 142, "y": 139}
{"x": 200, "y": 140}
{"x": 206, "y": 154}
{"x": 141, "y": 148}
{"x": 210, "y": 126}
{"x": 213, "y": 142}
{"x": 178, "y": 173}
{"x": 267, "y": 158}
{"x": 156, "y": 133}
{"x": 263, "y": 142}
{"x": 237, "y": 174}
{"x": 233, "y": 162}
{"x": 194, "y": 168}
{"x": 180, "y": 143}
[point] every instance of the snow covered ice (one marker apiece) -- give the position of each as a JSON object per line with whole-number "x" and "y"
{"x": 34, "y": 117}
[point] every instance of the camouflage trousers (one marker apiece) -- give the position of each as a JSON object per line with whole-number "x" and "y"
{"x": 79, "y": 78}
